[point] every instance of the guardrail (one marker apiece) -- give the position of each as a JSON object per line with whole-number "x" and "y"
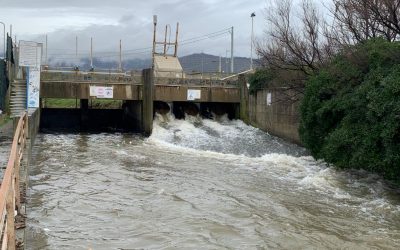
{"x": 195, "y": 82}
{"x": 10, "y": 200}
{"x": 95, "y": 77}
{"x": 161, "y": 78}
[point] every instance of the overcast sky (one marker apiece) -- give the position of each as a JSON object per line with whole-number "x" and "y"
{"x": 107, "y": 21}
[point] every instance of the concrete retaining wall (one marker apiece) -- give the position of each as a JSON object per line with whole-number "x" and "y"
{"x": 276, "y": 111}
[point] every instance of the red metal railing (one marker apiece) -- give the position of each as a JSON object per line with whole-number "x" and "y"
{"x": 10, "y": 200}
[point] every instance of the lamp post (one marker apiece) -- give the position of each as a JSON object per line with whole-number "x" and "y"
{"x": 4, "y": 38}
{"x": 252, "y": 39}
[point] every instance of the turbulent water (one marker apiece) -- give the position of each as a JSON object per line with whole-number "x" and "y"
{"x": 200, "y": 184}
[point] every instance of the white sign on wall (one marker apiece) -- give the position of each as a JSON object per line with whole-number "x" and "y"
{"x": 102, "y": 92}
{"x": 33, "y": 87}
{"x": 30, "y": 54}
{"x": 193, "y": 94}
{"x": 269, "y": 99}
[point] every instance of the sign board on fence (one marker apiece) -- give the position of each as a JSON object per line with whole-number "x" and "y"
{"x": 193, "y": 94}
{"x": 102, "y": 92}
{"x": 33, "y": 87}
{"x": 269, "y": 99}
{"x": 30, "y": 54}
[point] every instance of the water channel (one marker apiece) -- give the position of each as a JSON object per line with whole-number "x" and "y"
{"x": 200, "y": 184}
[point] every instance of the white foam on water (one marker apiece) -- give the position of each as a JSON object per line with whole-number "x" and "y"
{"x": 191, "y": 137}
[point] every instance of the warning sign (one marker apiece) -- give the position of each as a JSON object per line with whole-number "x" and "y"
{"x": 193, "y": 94}
{"x": 102, "y": 92}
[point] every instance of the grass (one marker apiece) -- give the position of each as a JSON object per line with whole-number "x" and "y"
{"x": 73, "y": 103}
{"x": 59, "y": 103}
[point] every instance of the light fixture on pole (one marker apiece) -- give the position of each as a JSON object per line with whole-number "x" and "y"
{"x": 252, "y": 39}
{"x": 4, "y": 39}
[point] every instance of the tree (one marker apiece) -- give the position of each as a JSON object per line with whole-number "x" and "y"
{"x": 294, "y": 43}
{"x": 359, "y": 20}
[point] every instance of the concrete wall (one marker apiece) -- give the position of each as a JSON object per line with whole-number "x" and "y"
{"x": 280, "y": 117}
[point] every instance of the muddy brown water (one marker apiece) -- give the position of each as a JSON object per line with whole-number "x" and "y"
{"x": 201, "y": 184}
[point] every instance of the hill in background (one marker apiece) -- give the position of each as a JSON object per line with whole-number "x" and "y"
{"x": 199, "y": 62}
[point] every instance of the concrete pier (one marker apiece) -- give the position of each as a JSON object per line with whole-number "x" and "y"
{"x": 148, "y": 97}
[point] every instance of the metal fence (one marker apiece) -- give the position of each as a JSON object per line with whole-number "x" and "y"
{"x": 3, "y": 84}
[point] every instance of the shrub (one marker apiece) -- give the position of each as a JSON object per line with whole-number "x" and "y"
{"x": 260, "y": 79}
{"x": 350, "y": 114}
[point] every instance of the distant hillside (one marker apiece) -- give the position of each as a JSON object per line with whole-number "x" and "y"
{"x": 191, "y": 63}
{"x": 209, "y": 63}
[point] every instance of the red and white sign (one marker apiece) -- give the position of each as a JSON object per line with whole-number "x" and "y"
{"x": 102, "y": 92}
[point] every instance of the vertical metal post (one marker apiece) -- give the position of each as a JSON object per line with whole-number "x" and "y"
{"x": 252, "y": 39}
{"x": 165, "y": 40}
{"x": 220, "y": 65}
{"x": 120, "y": 55}
{"x": 176, "y": 40}
{"x": 76, "y": 52}
{"x": 232, "y": 68}
{"x": 154, "y": 38}
{"x": 46, "y": 49}
{"x": 91, "y": 53}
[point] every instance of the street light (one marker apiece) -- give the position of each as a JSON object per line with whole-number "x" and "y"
{"x": 4, "y": 38}
{"x": 252, "y": 39}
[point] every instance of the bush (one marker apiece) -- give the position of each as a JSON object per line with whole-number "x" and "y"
{"x": 260, "y": 79}
{"x": 350, "y": 114}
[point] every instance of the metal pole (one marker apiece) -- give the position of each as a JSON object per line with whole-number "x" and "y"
{"x": 46, "y": 49}
{"x": 4, "y": 39}
{"x": 76, "y": 51}
{"x": 154, "y": 38}
{"x": 120, "y": 55}
{"x": 226, "y": 61}
{"x": 220, "y": 65}
{"x": 165, "y": 41}
{"x": 202, "y": 64}
{"x": 176, "y": 40}
{"x": 232, "y": 69}
{"x": 91, "y": 53}
{"x": 252, "y": 39}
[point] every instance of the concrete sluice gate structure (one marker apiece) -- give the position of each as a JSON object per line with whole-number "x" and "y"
{"x": 127, "y": 118}
{"x": 139, "y": 98}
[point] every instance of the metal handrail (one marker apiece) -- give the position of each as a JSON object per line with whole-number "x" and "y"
{"x": 10, "y": 200}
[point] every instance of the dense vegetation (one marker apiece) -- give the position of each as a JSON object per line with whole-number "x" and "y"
{"x": 351, "y": 109}
{"x": 260, "y": 79}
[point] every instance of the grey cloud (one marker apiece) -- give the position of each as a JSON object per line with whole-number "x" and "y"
{"x": 131, "y": 21}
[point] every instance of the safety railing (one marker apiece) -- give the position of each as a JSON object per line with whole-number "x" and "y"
{"x": 90, "y": 76}
{"x": 195, "y": 82}
{"x": 161, "y": 78}
{"x": 10, "y": 200}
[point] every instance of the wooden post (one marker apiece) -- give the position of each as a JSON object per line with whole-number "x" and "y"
{"x": 16, "y": 178}
{"x": 10, "y": 218}
{"x": 147, "y": 102}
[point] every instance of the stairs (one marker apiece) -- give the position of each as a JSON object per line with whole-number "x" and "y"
{"x": 18, "y": 98}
